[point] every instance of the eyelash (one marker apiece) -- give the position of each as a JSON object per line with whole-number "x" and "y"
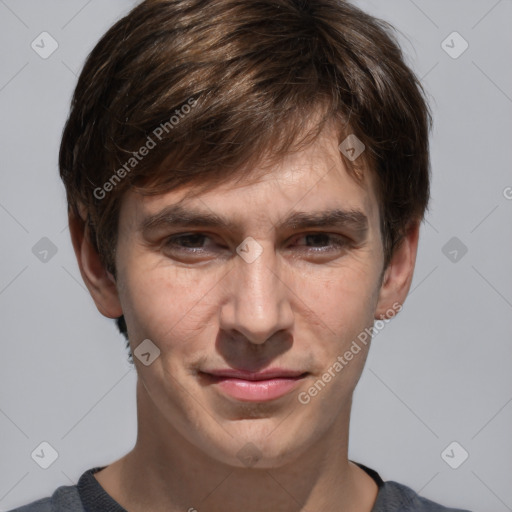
{"x": 337, "y": 242}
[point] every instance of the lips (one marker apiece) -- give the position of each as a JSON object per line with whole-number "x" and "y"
{"x": 270, "y": 373}
{"x": 251, "y": 386}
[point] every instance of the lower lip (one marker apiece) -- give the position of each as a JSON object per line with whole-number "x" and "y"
{"x": 256, "y": 390}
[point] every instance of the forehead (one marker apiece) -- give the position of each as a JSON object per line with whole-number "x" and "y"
{"x": 312, "y": 179}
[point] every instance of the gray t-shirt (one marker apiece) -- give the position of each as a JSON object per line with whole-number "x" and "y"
{"x": 89, "y": 496}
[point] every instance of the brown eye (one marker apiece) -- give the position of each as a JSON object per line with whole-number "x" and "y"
{"x": 194, "y": 248}
{"x": 194, "y": 241}
{"x": 322, "y": 241}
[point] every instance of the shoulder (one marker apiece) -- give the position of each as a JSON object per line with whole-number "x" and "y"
{"x": 398, "y": 497}
{"x": 64, "y": 499}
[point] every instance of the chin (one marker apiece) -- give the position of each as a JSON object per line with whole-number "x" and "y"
{"x": 259, "y": 448}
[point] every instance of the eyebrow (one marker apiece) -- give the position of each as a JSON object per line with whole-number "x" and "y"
{"x": 179, "y": 216}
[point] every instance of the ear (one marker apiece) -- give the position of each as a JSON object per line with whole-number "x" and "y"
{"x": 398, "y": 275}
{"x": 100, "y": 283}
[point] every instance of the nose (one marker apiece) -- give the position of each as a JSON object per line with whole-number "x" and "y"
{"x": 258, "y": 298}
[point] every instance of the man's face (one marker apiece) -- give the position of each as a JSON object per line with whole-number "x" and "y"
{"x": 297, "y": 305}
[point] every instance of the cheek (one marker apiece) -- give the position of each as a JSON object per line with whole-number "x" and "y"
{"x": 167, "y": 304}
{"x": 344, "y": 298}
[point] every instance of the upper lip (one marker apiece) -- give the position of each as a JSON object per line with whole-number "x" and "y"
{"x": 269, "y": 373}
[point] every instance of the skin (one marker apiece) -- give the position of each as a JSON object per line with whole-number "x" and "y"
{"x": 299, "y": 305}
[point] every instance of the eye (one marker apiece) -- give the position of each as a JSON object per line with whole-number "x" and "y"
{"x": 322, "y": 242}
{"x": 190, "y": 243}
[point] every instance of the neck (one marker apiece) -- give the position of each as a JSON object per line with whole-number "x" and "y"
{"x": 165, "y": 471}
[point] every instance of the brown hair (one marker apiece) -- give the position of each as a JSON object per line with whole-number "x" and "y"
{"x": 210, "y": 87}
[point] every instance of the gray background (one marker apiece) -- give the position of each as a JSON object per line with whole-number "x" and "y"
{"x": 439, "y": 372}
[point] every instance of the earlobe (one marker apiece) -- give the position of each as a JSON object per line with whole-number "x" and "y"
{"x": 100, "y": 283}
{"x": 399, "y": 273}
